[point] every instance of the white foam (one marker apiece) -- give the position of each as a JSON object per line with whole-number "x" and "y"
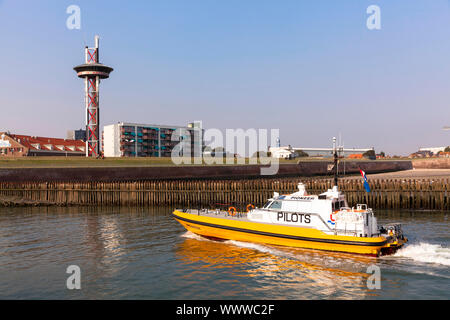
{"x": 191, "y": 235}
{"x": 257, "y": 247}
{"x": 426, "y": 252}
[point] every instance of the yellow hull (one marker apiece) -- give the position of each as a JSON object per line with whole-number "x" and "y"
{"x": 233, "y": 229}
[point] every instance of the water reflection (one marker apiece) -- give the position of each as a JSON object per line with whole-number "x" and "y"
{"x": 142, "y": 253}
{"x": 105, "y": 242}
{"x": 300, "y": 272}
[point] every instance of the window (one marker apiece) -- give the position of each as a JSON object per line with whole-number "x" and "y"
{"x": 336, "y": 206}
{"x": 267, "y": 204}
{"x": 275, "y": 205}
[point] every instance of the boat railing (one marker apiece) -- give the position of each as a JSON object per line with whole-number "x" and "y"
{"x": 359, "y": 208}
{"x": 217, "y": 212}
{"x": 346, "y": 232}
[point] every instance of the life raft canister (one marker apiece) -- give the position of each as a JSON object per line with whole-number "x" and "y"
{"x": 232, "y": 211}
{"x": 250, "y": 207}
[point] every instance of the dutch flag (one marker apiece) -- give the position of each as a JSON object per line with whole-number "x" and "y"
{"x": 366, "y": 184}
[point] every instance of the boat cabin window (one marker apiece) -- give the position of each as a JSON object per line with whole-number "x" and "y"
{"x": 267, "y": 204}
{"x": 338, "y": 205}
{"x": 275, "y": 205}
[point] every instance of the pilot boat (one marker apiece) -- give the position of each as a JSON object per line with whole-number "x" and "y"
{"x": 323, "y": 222}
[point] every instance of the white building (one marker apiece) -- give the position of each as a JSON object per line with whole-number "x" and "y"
{"x": 435, "y": 150}
{"x": 282, "y": 152}
{"x": 148, "y": 140}
{"x": 290, "y": 153}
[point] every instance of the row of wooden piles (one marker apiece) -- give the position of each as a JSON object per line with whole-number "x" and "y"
{"x": 386, "y": 193}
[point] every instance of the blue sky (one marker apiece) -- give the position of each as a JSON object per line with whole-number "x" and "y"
{"x": 309, "y": 68}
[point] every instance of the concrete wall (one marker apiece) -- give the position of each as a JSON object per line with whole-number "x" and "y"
{"x": 107, "y": 174}
{"x": 439, "y": 163}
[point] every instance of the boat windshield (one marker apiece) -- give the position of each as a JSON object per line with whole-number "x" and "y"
{"x": 267, "y": 204}
{"x": 275, "y": 205}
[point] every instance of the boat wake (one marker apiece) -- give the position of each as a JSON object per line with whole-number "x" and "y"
{"x": 426, "y": 253}
{"x": 421, "y": 252}
{"x": 298, "y": 254}
{"x": 191, "y": 235}
{"x": 257, "y": 247}
{"x": 247, "y": 245}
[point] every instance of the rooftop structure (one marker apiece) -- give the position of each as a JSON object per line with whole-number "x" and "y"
{"x": 76, "y": 134}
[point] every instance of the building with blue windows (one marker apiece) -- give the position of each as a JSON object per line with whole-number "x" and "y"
{"x": 149, "y": 140}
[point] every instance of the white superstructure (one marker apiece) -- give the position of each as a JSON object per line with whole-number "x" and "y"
{"x": 327, "y": 212}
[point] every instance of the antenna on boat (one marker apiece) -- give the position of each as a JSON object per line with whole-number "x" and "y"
{"x": 335, "y": 155}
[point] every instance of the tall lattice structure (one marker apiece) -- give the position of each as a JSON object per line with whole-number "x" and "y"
{"x": 92, "y": 71}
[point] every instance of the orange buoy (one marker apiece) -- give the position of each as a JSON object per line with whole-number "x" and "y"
{"x": 250, "y": 207}
{"x": 232, "y": 211}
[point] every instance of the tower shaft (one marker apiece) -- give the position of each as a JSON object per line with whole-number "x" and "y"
{"x": 92, "y": 116}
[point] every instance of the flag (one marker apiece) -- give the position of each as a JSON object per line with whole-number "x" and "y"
{"x": 366, "y": 184}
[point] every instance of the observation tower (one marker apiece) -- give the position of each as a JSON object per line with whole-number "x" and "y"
{"x": 92, "y": 71}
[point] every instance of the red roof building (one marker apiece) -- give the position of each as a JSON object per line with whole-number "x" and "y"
{"x": 16, "y": 145}
{"x": 356, "y": 156}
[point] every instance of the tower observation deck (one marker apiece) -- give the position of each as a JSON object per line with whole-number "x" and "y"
{"x": 92, "y": 71}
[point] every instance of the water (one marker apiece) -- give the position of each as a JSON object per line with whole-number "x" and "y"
{"x": 142, "y": 253}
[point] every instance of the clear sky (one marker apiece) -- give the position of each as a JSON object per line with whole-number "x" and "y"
{"x": 310, "y": 68}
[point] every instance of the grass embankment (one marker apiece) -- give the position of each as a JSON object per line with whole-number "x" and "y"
{"x": 73, "y": 162}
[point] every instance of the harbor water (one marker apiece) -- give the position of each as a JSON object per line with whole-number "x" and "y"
{"x": 143, "y": 253}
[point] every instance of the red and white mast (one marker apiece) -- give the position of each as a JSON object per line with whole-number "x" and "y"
{"x": 92, "y": 71}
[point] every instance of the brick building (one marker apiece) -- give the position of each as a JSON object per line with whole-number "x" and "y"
{"x": 16, "y": 145}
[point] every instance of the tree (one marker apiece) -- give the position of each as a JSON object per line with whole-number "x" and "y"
{"x": 300, "y": 154}
{"x": 259, "y": 154}
{"x": 370, "y": 154}
{"x": 447, "y": 149}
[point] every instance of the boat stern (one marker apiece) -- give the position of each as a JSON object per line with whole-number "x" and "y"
{"x": 394, "y": 233}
